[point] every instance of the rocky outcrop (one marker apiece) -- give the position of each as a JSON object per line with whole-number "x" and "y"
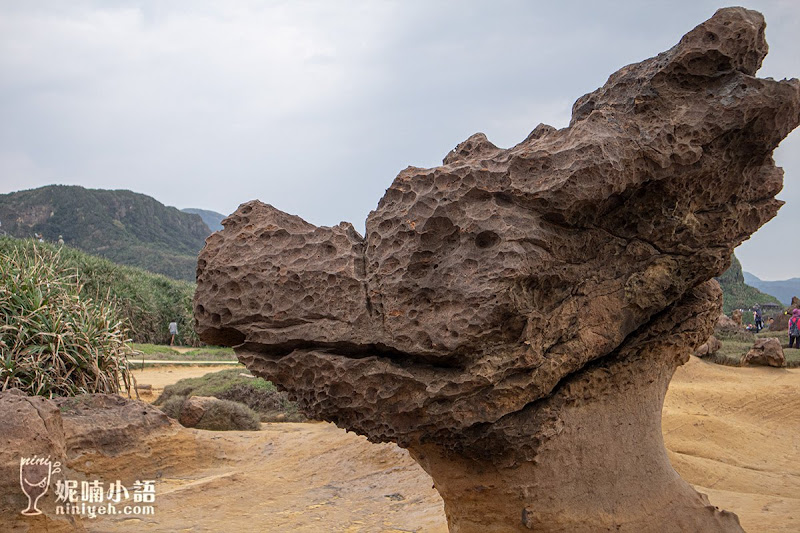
{"x": 736, "y": 316}
{"x": 725, "y": 323}
{"x": 100, "y": 437}
{"x": 710, "y": 347}
{"x": 765, "y": 352}
{"x": 513, "y": 317}
{"x": 31, "y": 427}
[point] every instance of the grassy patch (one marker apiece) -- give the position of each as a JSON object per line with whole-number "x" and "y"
{"x": 212, "y": 352}
{"x": 166, "y": 353}
{"x": 732, "y": 351}
{"x": 152, "y": 349}
{"x": 236, "y": 385}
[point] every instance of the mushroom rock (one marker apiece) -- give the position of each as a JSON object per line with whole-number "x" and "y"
{"x": 736, "y": 316}
{"x": 513, "y": 317}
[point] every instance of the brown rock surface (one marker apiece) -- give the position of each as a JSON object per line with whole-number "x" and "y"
{"x": 725, "y": 323}
{"x": 710, "y": 347}
{"x": 509, "y": 312}
{"x": 208, "y": 412}
{"x": 765, "y": 352}
{"x": 30, "y": 426}
{"x": 736, "y": 316}
{"x": 100, "y": 437}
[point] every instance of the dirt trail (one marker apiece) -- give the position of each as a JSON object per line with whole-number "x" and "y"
{"x": 731, "y": 432}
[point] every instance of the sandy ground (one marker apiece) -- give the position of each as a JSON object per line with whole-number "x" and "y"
{"x": 732, "y": 432}
{"x": 161, "y": 376}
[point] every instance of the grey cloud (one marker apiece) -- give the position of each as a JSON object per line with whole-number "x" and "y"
{"x": 315, "y": 106}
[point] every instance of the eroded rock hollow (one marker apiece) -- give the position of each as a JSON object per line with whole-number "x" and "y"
{"x": 513, "y": 317}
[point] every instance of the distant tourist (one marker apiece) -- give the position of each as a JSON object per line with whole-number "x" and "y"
{"x": 38, "y": 237}
{"x": 794, "y": 329}
{"x": 173, "y": 330}
{"x": 60, "y": 239}
{"x": 758, "y": 319}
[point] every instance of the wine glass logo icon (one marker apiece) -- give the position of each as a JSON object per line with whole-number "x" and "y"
{"x": 34, "y": 478}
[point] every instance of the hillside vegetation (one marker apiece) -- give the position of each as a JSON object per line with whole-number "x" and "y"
{"x": 123, "y": 226}
{"x": 212, "y": 219}
{"x": 783, "y": 290}
{"x": 54, "y": 341}
{"x": 147, "y": 301}
{"x": 738, "y": 295}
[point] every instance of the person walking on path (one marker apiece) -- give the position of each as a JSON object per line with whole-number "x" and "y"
{"x": 758, "y": 319}
{"x": 794, "y": 329}
{"x": 173, "y": 330}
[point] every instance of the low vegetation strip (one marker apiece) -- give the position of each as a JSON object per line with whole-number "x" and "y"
{"x": 736, "y": 345}
{"x": 168, "y": 353}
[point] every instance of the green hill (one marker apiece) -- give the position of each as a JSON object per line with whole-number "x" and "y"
{"x": 783, "y": 290}
{"x": 123, "y": 226}
{"x": 738, "y": 295}
{"x": 148, "y": 301}
{"x": 212, "y": 219}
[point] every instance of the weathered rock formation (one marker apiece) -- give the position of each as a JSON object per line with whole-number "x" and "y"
{"x": 736, "y": 316}
{"x": 31, "y": 427}
{"x": 765, "y": 352}
{"x": 514, "y": 317}
{"x": 91, "y": 437}
{"x": 727, "y": 324}
{"x": 710, "y": 347}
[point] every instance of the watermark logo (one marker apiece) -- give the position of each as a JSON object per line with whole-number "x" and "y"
{"x": 85, "y": 498}
{"x": 34, "y": 478}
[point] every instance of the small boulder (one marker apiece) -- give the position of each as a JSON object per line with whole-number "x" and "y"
{"x": 207, "y": 412}
{"x": 724, "y": 322}
{"x": 736, "y": 316}
{"x": 193, "y": 410}
{"x": 765, "y": 352}
{"x": 710, "y": 347}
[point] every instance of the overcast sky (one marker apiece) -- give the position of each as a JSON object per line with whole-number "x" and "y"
{"x": 314, "y": 107}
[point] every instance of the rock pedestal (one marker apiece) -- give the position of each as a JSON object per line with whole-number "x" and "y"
{"x": 513, "y": 316}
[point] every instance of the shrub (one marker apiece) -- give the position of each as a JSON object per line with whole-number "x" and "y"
{"x": 225, "y": 415}
{"x": 272, "y": 406}
{"x": 172, "y": 407}
{"x": 148, "y": 302}
{"x": 53, "y": 341}
{"x": 256, "y": 393}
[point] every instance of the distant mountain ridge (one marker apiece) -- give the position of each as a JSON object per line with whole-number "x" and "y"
{"x": 212, "y": 219}
{"x": 783, "y": 290}
{"x": 126, "y": 227}
{"x": 736, "y": 293}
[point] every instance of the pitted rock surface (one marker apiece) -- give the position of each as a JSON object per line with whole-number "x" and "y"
{"x": 483, "y": 285}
